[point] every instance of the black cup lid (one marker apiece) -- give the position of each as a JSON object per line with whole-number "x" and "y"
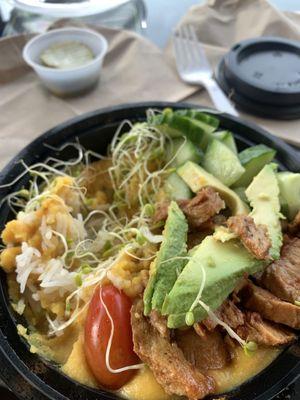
{"x": 253, "y": 106}
{"x": 265, "y": 69}
{"x": 262, "y": 76}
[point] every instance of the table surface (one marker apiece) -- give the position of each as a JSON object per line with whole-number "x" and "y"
{"x": 162, "y": 17}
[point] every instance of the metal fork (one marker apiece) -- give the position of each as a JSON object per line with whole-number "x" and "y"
{"x": 193, "y": 67}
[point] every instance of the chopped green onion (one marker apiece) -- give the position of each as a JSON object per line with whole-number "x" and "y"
{"x": 78, "y": 280}
{"x": 140, "y": 238}
{"x": 86, "y": 269}
{"x": 68, "y": 308}
{"x": 156, "y": 153}
{"x": 70, "y": 242}
{"x": 76, "y": 171}
{"x": 149, "y": 210}
{"x": 107, "y": 246}
{"x": 70, "y": 254}
{"x": 170, "y": 170}
{"x": 88, "y": 201}
{"x": 159, "y": 224}
{"x": 110, "y": 251}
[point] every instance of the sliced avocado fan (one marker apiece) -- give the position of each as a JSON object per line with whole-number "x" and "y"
{"x": 215, "y": 265}
{"x": 263, "y": 195}
{"x": 170, "y": 260}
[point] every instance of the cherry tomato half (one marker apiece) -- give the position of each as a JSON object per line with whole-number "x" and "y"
{"x": 98, "y": 328}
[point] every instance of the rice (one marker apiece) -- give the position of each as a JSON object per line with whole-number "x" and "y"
{"x": 56, "y": 277}
{"x": 26, "y": 262}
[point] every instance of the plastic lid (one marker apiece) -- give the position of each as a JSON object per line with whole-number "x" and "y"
{"x": 75, "y": 8}
{"x": 263, "y": 72}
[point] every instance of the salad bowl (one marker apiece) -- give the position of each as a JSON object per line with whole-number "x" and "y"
{"x": 25, "y": 373}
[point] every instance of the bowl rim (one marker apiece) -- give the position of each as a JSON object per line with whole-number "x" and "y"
{"x": 293, "y": 153}
{"x": 16, "y": 363}
{"x": 35, "y": 40}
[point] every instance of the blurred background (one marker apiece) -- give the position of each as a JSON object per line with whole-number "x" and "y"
{"x": 152, "y": 18}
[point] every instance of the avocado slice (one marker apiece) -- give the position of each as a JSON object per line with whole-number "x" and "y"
{"x": 227, "y": 138}
{"x": 170, "y": 259}
{"x": 221, "y": 162}
{"x": 180, "y": 124}
{"x": 253, "y": 159}
{"x": 224, "y": 264}
{"x": 263, "y": 195}
{"x": 289, "y": 185}
{"x": 196, "y": 177}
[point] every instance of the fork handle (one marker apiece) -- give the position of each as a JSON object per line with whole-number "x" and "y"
{"x": 218, "y": 97}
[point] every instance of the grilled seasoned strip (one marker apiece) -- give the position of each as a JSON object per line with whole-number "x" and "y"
{"x": 159, "y": 322}
{"x": 254, "y": 237}
{"x": 229, "y": 313}
{"x": 206, "y": 351}
{"x": 249, "y": 325}
{"x": 269, "y": 306}
{"x": 264, "y": 332}
{"x": 294, "y": 227}
{"x": 198, "y": 210}
{"x": 202, "y": 207}
{"x": 282, "y": 277}
{"x": 166, "y": 360}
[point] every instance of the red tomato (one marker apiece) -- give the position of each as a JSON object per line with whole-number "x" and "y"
{"x": 98, "y": 329}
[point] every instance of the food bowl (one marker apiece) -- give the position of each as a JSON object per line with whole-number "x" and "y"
{"x": 30, "y": 377}
{"x": 69, "y": 80}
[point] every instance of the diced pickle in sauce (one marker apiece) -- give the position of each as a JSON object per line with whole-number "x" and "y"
{"x": 63, "y": 55}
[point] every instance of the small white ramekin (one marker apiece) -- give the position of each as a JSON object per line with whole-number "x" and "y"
{"x": 72, "y": 80}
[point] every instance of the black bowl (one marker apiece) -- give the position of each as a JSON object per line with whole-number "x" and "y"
{"x": 25, "y": 373}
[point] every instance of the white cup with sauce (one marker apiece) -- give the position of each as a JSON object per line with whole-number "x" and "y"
{"x": 67, "y": 81}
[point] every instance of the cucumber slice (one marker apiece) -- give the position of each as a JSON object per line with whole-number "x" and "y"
{"x": 253, "y": 160}
{"x": 221, "y": 162}
{"x": 284, "y": 207}
{"x": 182, "y": 150}
{"x": 176, "y": 125}
{"x": 176, "y": 188}
{"x": 289, "y": 185}
{"x": 200, "y": 116}
{"x": 227, "y": 138}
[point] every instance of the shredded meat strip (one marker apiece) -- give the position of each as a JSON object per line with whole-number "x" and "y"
{"x": 229, "y": 313}
{"x": 202, "y": 207}
{"x": 249, "y": 326}
{"x": 254, "y": 237}
{"x": 264, "y": 332}
{"x": 198, "y": 211}
{"x": 293, "y": 228}
{"x": 269, "y": 306}
{"x": 206, "y": 351}
{"x": 282, "y": 277}
{"x": 159, "y": 322}
{"x": 166, "y": 360}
